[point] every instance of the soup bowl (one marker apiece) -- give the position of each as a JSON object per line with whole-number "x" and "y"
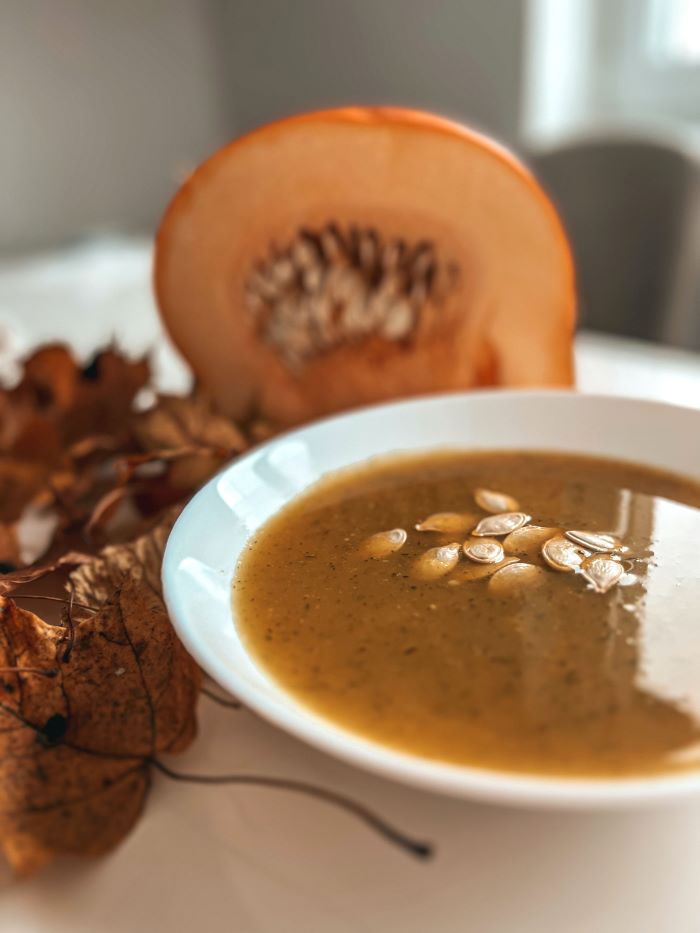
{"x": 214, "y": 529}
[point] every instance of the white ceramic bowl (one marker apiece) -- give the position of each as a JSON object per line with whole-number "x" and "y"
{"x": 212, "y": 531}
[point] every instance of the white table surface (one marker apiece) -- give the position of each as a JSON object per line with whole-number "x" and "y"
{"x": 209, "y": 860}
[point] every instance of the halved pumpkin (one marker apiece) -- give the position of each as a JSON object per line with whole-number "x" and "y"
{"x": 354, "y": 255}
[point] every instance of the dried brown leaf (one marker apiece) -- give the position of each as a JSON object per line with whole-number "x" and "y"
{"x": 118, "y": 688}
{"x": 15, "y": 578}
{"x": 20, "y": 482}
{"x": 104, "y": 403}
{"x": 105, "y": 509}
{"x": 75, "y": 748}
{"x": 94, "y": 581}
{"x": 57, "y": 403}
{"x": 52, "y": 375}
{"x": 9, "y": 546}
{"x": 260, "y": 431}
{"x": 192, "y": 442}
{"x": 175, "y": 423}
{"x": 91, "y": 445}
{"x": 57, "y": 428}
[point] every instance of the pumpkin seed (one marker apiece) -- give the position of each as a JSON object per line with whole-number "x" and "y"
{"x": 451, "y": 523}
{"x": 516, "y": 578}
{"x": 602, "y": 572}
{"x": 593, "y": 541}
{"x": 502, "y": 524}
{"x": 526, "y": 542}
{"x": 562, "y": 554}
{"x": 437, "y": 561}
{"x": 470, "y": 572}
{"x": 491, "y": 501}
{"x": 485, "y": 551}
{"x": 384, "y": 543}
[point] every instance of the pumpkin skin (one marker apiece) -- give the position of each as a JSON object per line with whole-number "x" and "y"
{"x": 362, "y": 254}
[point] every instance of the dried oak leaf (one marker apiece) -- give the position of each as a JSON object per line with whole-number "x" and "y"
{"x": 21, "y": 481}
{"x": 76, "y": 747}
{"x": 9, "y": 546}
{"x": 188, "y": 435}
{"x": 177, "y": 444}
{"x": 28, "y": 515}
{"x": 28, "y": 538}
{"x": 13, "y": 579}
{"x": 180, "y": 422}
{"x": 58, "y": 427}
{"x": 95, "y": 580}
{"x": 96, "y": 399}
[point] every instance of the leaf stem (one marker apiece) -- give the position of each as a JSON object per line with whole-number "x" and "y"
{"x": 53, "y": 672}
{"x": 421, "y": 850}
{"x": 53, "y": 599}
{"x": 70, "y": 629}
{"x": 222, "y": 701}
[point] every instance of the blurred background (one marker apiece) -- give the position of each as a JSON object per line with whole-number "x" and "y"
{"x": 104, "y": 107}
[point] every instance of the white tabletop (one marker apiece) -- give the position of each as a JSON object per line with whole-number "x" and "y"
{"x": 258, "y": 861}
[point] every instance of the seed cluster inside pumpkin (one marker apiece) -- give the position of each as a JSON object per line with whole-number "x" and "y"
{"x": 330, "y": 286}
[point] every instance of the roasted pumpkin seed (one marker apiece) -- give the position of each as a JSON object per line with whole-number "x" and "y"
{"x": 594, "y": 541}
{"x": 484, "y": 551}
{"x": 516, "y": 578}
{"x": 562, "y": 554}
{"x": 491, "y": 501}
{"x": 526, "y": 542}
{"x": 502, "y": 524}
{"x": 384, "y": 543}
{"x": 437, "y": 561}
{"x": 451, "y": 523}
{"x": 602, "y": 572}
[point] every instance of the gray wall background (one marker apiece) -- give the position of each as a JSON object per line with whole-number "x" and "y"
{"x": 104, "y": 104}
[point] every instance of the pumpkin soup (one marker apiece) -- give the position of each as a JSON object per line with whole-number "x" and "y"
{"x": 528, "y": 612}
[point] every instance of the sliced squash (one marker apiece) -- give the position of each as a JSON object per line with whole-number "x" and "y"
{"x": 355, "y": 255}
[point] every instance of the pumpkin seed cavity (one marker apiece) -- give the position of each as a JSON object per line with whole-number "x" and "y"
{"x": 328, "y": 286}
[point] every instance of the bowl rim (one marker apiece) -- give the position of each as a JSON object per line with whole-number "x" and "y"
{"x": 474, "y": 783}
